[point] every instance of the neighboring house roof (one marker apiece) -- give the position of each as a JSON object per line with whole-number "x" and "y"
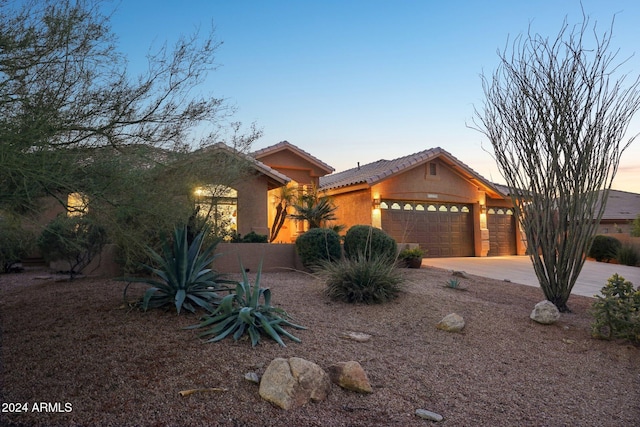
{"x": 258, "y": 165}
{"x": 621, "y": 206}
{"x": 286, "y": 145}
{"x": 380, "y": 170}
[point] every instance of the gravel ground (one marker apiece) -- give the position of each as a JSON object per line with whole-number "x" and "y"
{"x": 94, "y": 361}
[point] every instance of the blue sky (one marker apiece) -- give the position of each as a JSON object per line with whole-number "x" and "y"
{"x": 359, "y": 81}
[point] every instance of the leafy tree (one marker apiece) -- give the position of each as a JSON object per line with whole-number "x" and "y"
{"x": 556, "y": 120}
{"x": 16, "y": 242}
{"x": 73, "y": 119}
{"x": 75, "y": 240}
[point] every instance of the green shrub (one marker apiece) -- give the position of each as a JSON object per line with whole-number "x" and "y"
{"x": 251, "y": 237}
{"x": 635, "y": 227}
{"x": 411, "y": 257}
{"x": 453, "y": 283}
{"x": 627, "y": 255}
{"x": 370, "y": 241}
{"x": 16, "y": 243}
{"x": 185, "y": 277}
{"x": 317, "y": 245}
{"x": 617, "y": 311}
{"x": 604, "y": 248}
{"x": 366, "y": 279}
{"x": 243, "y": 311}
{"x": 75, "y": 240}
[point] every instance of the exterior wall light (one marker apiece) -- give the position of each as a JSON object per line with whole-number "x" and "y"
{"x": 375, "y": 203}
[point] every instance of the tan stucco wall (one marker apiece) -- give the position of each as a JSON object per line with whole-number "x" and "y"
{"x": 291, "y": 164}
{"x": 416, "y": 184}
{"x": 353, "y": 208}
{"x": 252, "y": 205}
{"x": 273, "y": 257}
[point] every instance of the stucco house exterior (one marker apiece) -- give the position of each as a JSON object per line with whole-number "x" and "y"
{"x": 622, "y": 208}
{"x": 247, "y": 200}
{"x": 428, "y": 198}
{"x": 303, "y": 171}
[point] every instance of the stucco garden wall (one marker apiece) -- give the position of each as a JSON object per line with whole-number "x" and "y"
{"x": 274, "y": 257}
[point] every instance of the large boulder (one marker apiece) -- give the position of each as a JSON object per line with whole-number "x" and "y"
{"x": 451, "y": 323}
{"x": 291, "y": 383}
{"x": 545, "y": 312}
{"x": 350, "y": 376}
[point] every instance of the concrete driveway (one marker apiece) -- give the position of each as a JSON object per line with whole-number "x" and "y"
{"x": 518, "y": 269}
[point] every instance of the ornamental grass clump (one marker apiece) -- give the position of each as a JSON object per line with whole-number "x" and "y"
{"x": 248, "y": 310}
{"x": 617, "y": 311}
{"x": 361, "y": 279}
{"x": 184, "y": 275}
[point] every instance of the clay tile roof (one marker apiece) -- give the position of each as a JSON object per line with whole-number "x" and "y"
{"x": 622, "y": 205}
{"x": 375, "y": 172}
{"x": 287, "y": 145}
{"x": 258, "y": 165}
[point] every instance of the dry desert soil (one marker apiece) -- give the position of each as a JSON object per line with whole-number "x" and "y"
{"x": 72, "y": 354}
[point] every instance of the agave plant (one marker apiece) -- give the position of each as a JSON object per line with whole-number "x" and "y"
{"x": 184, "y": 276}
{"x": 243, "y": 311}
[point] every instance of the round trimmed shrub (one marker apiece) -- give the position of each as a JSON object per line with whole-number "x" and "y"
{"x": 604, "y": 248}
{"x": 369, "y": 241}
{"x": 317, "y": 245}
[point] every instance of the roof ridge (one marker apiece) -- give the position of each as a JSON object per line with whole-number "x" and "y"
{"x": 286, "y": 144}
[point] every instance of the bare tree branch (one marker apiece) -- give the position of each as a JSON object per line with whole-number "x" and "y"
{"x": 557, "y": 120}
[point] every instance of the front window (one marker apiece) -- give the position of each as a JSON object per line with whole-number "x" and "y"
{"x": 77, "y": 204}
{"x": 218, "y": 205}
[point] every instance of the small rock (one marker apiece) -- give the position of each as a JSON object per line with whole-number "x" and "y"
{"x": 350, "y": 376}
{"x": 428, "y": 415}
{"x": 356, "y": 336}
{"x": 451, "y": 323}
{"x": 252, "y": 377}
{"x": 462, "y": 274}
{"x": 545, "y": 312}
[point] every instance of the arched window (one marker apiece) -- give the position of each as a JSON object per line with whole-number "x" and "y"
{"x": 218, "y": 204}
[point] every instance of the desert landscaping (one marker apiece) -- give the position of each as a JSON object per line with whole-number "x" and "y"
{"x": 96, "y": 361}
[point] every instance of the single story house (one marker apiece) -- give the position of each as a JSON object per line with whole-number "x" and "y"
{"x": 428, "y": 198}
{"x": 621, "y": 210}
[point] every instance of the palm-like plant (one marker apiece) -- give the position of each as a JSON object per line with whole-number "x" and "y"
{"x": 243, "y": 311}
{"x": 184, "y": 275}
{"x": 286, "y": 199}
{"x": 316, "y": 210}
